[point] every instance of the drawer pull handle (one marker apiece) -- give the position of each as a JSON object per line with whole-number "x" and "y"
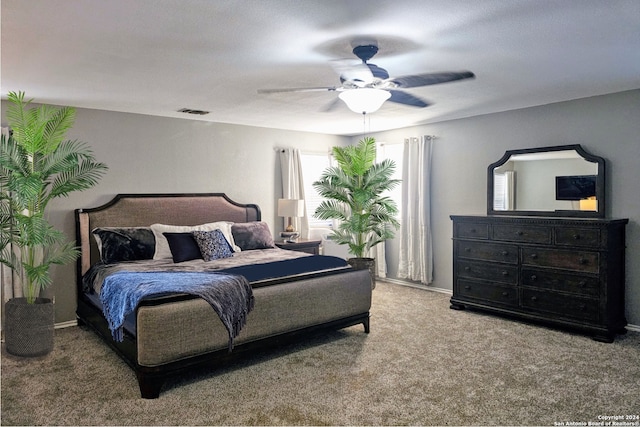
{"x": 505, "y": 294}
{"x": 534, "y": 277}
{"x": 534, "y": 256}
{"x": 534, "y": 298}
{"x": 467, "y": 269}
{"x": 473, "y": 230}
{"x": 467, "y": 287}
{"x": 576, "y": 237}
{"x": 519, "y": 233}
{"x": 505, "y": 273}
{"x": 582, "y": 283}
{"x": 505, "y": 253}
{"x": 467, "y": 249}
{"x": 583, "y": 261}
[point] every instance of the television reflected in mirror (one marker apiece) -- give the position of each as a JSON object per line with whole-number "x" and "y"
{"x": 550, "y": 181}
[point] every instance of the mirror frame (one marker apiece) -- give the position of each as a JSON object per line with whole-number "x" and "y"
{"x": 600, "y": 184}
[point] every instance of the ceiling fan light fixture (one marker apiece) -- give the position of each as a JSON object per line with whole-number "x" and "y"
{"x": 364, "y": 100}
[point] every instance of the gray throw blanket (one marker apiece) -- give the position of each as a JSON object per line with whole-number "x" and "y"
{"x": 230, "y": 295}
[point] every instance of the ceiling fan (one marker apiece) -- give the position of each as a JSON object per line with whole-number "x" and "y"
{"x": 365, "y": 87}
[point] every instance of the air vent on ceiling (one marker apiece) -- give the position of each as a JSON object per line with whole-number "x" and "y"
{"x": 192, "y": 111}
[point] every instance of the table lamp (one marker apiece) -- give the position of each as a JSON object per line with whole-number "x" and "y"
{"x": 290, "y": 208}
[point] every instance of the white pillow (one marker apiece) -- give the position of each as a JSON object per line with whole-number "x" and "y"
{"x": 162, "y": 245}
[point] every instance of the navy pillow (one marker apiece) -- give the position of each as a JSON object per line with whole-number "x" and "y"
{"x": 183, "y": 246}
{"x": 213, "y": 244}
{"x": 118, "y": 244}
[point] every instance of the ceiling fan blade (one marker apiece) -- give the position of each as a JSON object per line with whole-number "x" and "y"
{"x": 400, "y": 97}
{"x": 357, "y": 73}
{"x": 430, "y": 78}
{"x": 300, "y": 89}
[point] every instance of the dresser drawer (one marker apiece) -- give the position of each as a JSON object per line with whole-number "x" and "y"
{"x": 580, "y": 285}
{"x": 583, "y": 237}
{"x": 470, "y": 230}
{"x": 503, "y": 295}
{"x": 522, "y": 233}
{"x": 487, "y": 251}
{"x": 571, "y": 260}
{"x": 568, "y": 306}
{"x": 501, "y": 273}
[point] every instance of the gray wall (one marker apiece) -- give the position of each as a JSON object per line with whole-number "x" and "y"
{"x": 607, "y": 126}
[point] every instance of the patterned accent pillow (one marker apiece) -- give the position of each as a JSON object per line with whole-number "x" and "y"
{"x": 212, "y": 244}
{"x": 117, "y": 244}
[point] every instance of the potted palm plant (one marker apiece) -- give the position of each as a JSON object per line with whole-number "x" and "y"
{"x": 36, "y": 166}
{"x": 354, "y": 192}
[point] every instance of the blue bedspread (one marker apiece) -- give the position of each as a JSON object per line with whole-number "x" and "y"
{"x": 230, "y": 295}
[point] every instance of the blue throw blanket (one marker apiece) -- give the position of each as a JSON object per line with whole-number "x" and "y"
{"x": 230, "y": 296}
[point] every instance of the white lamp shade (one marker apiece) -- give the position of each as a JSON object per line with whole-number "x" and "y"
{"x": 364, "y": 100}
{"x": 291, "y": 207}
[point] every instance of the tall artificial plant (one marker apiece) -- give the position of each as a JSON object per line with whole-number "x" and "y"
{"x": 38, "y": 165}
{"x": 354, "y": 192}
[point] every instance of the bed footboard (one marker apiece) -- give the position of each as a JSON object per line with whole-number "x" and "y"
{"x": 151, "y": 380}
{"x": 349, "y": 295}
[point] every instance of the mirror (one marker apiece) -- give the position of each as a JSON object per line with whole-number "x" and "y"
{"x": 549, "y": 181}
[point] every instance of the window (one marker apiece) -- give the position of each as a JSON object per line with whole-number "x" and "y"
{"x": 503, "y": 191}
{"x": 312, "y": 167}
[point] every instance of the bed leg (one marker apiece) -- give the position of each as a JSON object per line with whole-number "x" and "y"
{"x": 149, "y": 385}
{"x": 366, "y": 325}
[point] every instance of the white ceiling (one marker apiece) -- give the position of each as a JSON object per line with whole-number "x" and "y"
{"x": 157, "y": 56}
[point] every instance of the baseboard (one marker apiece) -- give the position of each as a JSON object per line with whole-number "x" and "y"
{"x": 68, "y": 324}
{"x": 415, "y": 285}
{"x": 634, "y": 328}
{"x": 630, "y": 327}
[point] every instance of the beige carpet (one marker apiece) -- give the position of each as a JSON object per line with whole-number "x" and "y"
{"x": 422, "y": 364}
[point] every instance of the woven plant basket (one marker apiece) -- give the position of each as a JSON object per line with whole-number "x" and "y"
{"x": 29, "y": 327}
{"x": 364, "y": 264}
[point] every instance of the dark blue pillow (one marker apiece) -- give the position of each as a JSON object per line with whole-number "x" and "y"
{"x": 183, "y": 246}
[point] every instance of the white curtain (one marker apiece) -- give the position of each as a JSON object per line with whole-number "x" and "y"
{"x": 293, "y": 185}
{"x": 510, "y": 190}
{"x": 416, "y": 251}
{"x": 379, "y": 253}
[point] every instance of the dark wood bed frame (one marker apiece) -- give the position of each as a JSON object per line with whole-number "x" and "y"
{"x": 209, "y": 207}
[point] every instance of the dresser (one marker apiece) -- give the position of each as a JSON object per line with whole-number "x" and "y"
{"x": 565, "y": 272}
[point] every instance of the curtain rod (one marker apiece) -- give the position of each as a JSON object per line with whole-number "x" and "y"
{"x": 430, "y": 137}
{"x": 302, "y": 151}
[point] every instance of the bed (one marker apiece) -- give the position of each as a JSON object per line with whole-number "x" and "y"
{"x": 288, "y": 294}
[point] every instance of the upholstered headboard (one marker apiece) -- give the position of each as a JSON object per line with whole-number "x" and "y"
{"x": 141, "y": 210}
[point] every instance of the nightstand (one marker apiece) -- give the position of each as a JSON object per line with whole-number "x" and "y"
{"x": 302, "y": 245}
